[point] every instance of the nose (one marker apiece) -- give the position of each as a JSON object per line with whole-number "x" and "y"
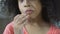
{"x": 26, "y": 3}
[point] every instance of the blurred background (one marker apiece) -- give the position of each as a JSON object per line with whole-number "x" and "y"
{"x": 6, "y": 16}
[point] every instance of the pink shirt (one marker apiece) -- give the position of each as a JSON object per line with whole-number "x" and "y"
{"x": 9, "y": 30}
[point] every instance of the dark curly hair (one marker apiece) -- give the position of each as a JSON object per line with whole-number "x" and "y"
{"x": 49, "y": 12}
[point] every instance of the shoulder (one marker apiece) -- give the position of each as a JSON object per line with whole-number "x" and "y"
{"x": 10, "y": 25}
{"x": 54, "y": 30}
{"x": 9, "y": 29}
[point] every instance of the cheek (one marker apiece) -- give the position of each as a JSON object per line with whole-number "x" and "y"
{"x": 35, "y": 14}
{"x": 21, "y": 8}
{"x": 37, "y": 11}
{"x": 37, "y": 6}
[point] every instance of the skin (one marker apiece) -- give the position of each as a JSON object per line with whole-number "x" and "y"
{"x": 34, "y": 5}
{"x": 34, "y": 22}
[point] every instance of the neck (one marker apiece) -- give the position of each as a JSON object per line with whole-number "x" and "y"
{"x": 38, "y": 21}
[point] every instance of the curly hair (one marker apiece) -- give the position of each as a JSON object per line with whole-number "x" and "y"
{"x": 48, "y": 9}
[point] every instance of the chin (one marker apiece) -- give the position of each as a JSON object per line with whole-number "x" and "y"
{"x": 33, "y": 17}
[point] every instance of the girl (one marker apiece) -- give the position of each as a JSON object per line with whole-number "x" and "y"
{"x": 32, "y": 18}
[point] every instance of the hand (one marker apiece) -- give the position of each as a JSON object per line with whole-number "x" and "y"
{"x": 19, "y": 21}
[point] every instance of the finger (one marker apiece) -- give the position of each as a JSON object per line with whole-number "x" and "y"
{"x": 22, "y": 20}
{"x": 19, "y": 16}
{"x": 16, "y": 16}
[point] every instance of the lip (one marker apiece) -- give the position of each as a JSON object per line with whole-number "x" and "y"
{"x": 29, "y": 11}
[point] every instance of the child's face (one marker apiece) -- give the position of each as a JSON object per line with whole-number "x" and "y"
{"x": 30, "y": 7}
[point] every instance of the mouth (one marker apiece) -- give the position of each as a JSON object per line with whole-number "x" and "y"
{"x": 29, "y": 11}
